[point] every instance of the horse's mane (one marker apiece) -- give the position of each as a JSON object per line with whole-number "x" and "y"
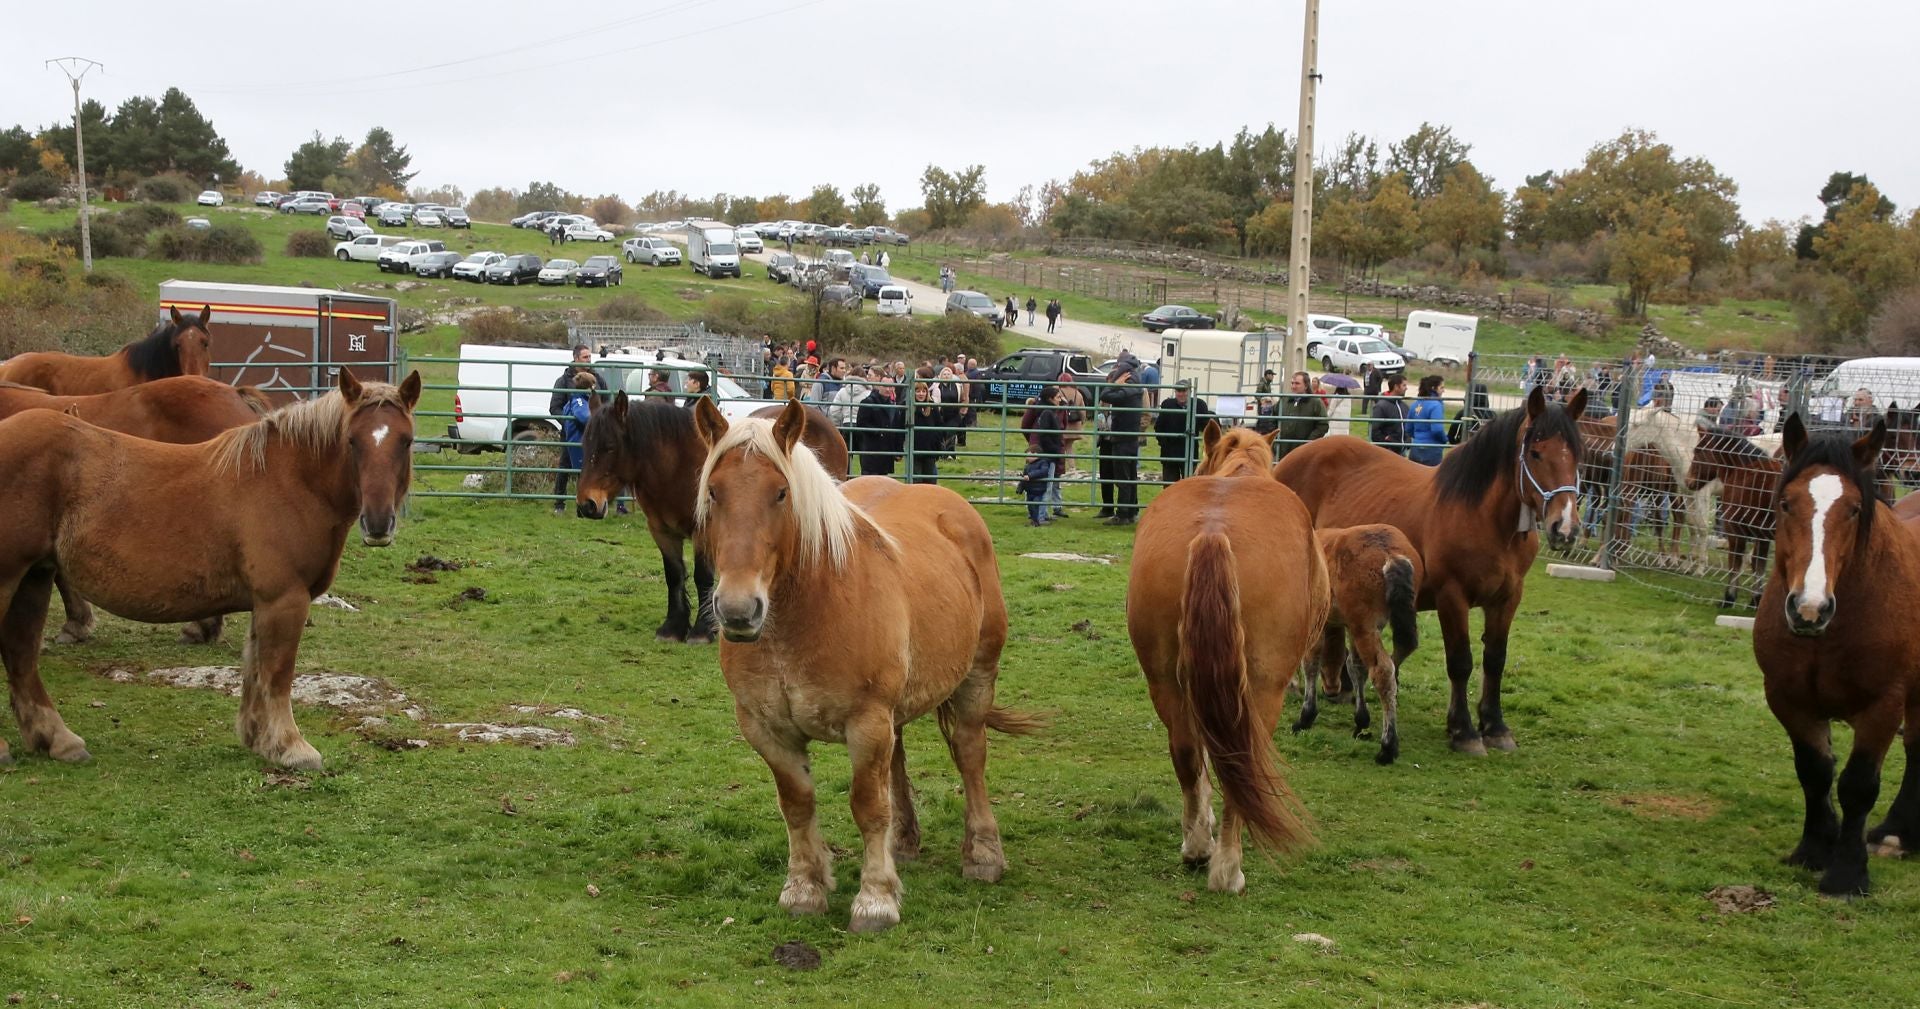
{"x": 827, "y": 521}
{"x": 1466, "y": 472}
{"x": 1232, "y": 458}
{"x": 152, "y": 356}
{"x": 1835, "y": 451}
{"x": 315, "y": 425}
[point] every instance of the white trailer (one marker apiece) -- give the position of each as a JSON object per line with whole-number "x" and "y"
{"x": 1440, "y": 337}
{"x": 713, "y": 249}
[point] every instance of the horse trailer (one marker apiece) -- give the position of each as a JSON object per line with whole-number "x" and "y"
{"x": 290, "y": 341}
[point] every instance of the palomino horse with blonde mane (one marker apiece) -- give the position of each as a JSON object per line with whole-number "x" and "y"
{"x": 1832, "y": 640}
{"x": 846, "y": 612}
{"x": 1374, "y": 576}
{"x": 1474, "y": 520}
{"x": 179, "y": 346}
{"x": 1226, "y": 595}
{"x": 181, "y": 411}
{"x": 253, "y": 520}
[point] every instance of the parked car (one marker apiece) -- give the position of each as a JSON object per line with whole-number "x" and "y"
{"x": 497, "y": 401}
{"x": 599, "y": 271}
{"x": 1019, "y": 376}
{"x": 366, "y": 248}
{"x": 395, "y": 214}
{"x": 557, "y": 271}
{"x": 1175, "y": 317}
{"x": 423, "y": 218}
{"x": 307, "y": 205}
{"x": 1347, "y": 353}
{"x": 893, "y": 300}
{"x": 780, "y": 267}
{"x": 436, "y": 264}
{"x": 586, "y": 231}
{"x": 559, "y": 223}
{"x": 210, "y": 198}
{"x": 841, "y": 296}
{"x": 346, "y": 228}
{"x": 975, "y": 303}
{"x": 653, "y": 251}
{"x": 531, "y": 218}
{"x": 840, "y": 259}
{"x": 474, "y": 267}
{"x": 514, "y": 270}
{"x": 888, "y": 236}
{"x": 400, "y": 257}
{"x": 868, "y": 279}
{"x": 456, "y": 217}
{"x": 354, "y": 209}
{"x": 807, "y": 276}
{"x": 199, "y": 223}
{"x": 1352, "y": 330}
{"x": 267, "y": 198}
{"x": 749, "y": 240}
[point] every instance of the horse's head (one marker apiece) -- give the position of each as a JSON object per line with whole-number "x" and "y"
{"x": 604, "y": 444}
{"x": 1708, "y": 449}
{"x": 1823, "y": 518}
{"x": 379, "y": 439}
{"x": 1235, "y": 451}
{"x": 746, "y": 512}
{"x": 1549, "y": 451}
{"x": 192, "y": 346}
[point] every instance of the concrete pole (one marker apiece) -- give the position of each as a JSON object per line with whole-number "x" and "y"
{"x": 75, "y": 68}
{"x": 1300, "y": 258}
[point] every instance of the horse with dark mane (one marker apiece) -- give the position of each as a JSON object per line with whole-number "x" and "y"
{"x": 183, "y": 410}
{"x": 254, "y": 519}
{"x": 1748, "y": 477}
{"x": 651, "y": 446}
{"x": 1833, "y": 641}
{"x": 178, "y": 346}
{"x": 1475, "y": 520}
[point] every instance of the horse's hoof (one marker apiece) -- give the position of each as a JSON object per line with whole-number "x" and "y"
{"x": 66, "y": 637}
{"x": 1195, "y": 863}
{"x": 802, "y": 899}
{"x": 1808, "y": 858}
{"x": 985, "y": 872}
{"x": 1502, "y": 740}
{"x": 70, "y": 749}
{"x": 1887, "y": 846}
{"x": 700, "y": 638}
{"x": 665, "y": 636}
{"x": 1220, "y": 882}
{"x": 1471, "y": 746}
{"x": 301, "y": 756}
{"x": 872, "y": 914}
{"x": 1845, "y": 884}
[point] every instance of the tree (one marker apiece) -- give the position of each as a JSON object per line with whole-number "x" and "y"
{"x": 313, "y": 162}
{"x": 17, "y": 156}
{"x": 132, "y": 142}
{"x": 1758, "y": 247}
{"x": 546, "y": 196}
{"x": 445, "y": 195}
{"x": 1353, "y": 168}
{"x": 825, "y": 205}
{"x": 1527, "y": 210}
{"x": 379, "y": 161}
{"x": 1427, "y": 157}
{"x": 994, "y": 220}
{"x": 1466, "y": 211}
{"x": 953, "y": 197}
{"x": 1869, "y": 256}
{"x": 1270, "y": 232}
{"x": 1390, "y": 222}
{"x": 1648, "y": 249}
{"x": 497, "y": 205}
{"x": 191, "y": 145}
{"x": 59, "y": 138}
{"x": 868, "y": 208}
{"x": 610, "y": 209}
{"x": 1841, "y": 188}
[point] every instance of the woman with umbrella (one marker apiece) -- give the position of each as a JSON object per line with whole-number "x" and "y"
{"x": 1340, "y": 407}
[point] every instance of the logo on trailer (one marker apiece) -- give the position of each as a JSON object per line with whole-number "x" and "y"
{"x": 356, "y": 344}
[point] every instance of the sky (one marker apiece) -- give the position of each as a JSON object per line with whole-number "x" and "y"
{"x": 774, "y": 96}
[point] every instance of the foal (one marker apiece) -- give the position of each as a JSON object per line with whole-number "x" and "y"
{"x": 1374, "y": 574}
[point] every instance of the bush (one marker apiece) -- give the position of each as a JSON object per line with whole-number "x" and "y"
{"x": 46, "y": 303}
{"x": 222, "y": 243}
{"x": 511, "y": 326}
{"x": 148, "y": 216}
{"x": 309, "y": 245}
{"x": 627, "y": 308}
{"x": 171, "y": 187}
{"x": 37, "y": 186}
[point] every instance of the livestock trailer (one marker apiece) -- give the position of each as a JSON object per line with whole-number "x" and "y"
{"x": 290, "y": 341}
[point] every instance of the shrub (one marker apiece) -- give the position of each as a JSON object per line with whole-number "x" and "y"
{"x": 222, "y": 243}
{"x": 46, "y": 303}
{"x": 512, "y": 326}
{"x": 37, "y": 186}
{"x": 149, "y": 216}
{"x": 627, "y": 308}
{"x": 170, "y": 187}
{"x": 309, "y": 245}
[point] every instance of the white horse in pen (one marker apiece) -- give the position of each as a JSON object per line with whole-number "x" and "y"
{"x": 1673, "y": 438}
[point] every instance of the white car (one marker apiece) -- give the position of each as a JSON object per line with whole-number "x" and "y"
{"x": 1348, "y": 353}
{"x": 347, "y": 228}
{"x": 474, "y": 267}
{"x": 749, "y": 240}
{"x": 893, "y": 300}
{"x": 558, "y": 271}
{"x": 427, "y": 219}
{"x": 653, "y": 251}
{"x": 399, "y": 258}
{"x": 587, "y": 231}
{"x": 366, "y": 248}
{"x": 211, "y": 198}
{"x": 267, "y": 198}
{"x": 199, "y": 223}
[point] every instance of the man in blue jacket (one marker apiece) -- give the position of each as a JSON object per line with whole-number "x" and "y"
{"x": 1427, "y": 423}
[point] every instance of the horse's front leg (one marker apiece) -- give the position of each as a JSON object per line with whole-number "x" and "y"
{"x": 870, "y": 749}
{"x": 1846, "y": 875}
{"x": 1461, "y": 735}
{"x": 1493, "y": 725}
{"x": 23, "y": 617}
{"x": 704, "y": 624}
{"x": 673, "y": 564}
{"x": 809, "y": 862}
{"x": 265, "y": 723}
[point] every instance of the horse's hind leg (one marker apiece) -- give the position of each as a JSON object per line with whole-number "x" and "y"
{"x": 1357, "y": 675}
{"x": 1382, "y": 672}
{"x": 809, "y": 862}
{"x": 963, "y": 720}
{"x": 203, "y": 632}
{"x": 870, "y": 736}
{"x": 1190, "y": 768}
{"x": 1899, "y": 833}
{"x": 906, "y": 824}
{"x": 1736, "y": 559}
{"x": 79, "y": 625}
{"x": 1323, "y": 667}
{"x": 1873, "y": 732}
{"x": 25, "y": 616}
{"x": 266, "y": 723}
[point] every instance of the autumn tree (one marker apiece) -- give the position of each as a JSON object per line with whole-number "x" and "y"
{"x": 1867, "y": 257}
{"x": 1426, "y": 158}
{"x": 952, "y": 197}
{"x": 446, "y": 195}
{"x": 1647, "y": 249}
{"x": 498, "y": 205}
{"x": 610, "y": 209}
{"x": 825, "y": 205}
{"x": 1466, "y": 211}
{"x": 1270, "y": 232}
{"x": 1757, "y": 247}
{"x": 868, "y": 208}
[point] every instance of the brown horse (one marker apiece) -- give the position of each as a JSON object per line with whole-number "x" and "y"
{"x": 1374, "y": 576}
{"x": 178, "y": 346}
{"x": 1226, "y": 594}
{"x": 1832, "y": 641}
{"x": 651, "y": 446}
{"x": 1748, "y": 477}
{"x": 182, "y": 411}
{"x": 253, "y": 520}
{"x": 1473, "y": 519}
{"x": 847, "y": 612}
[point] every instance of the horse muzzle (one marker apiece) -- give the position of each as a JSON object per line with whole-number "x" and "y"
{"x": 378, "y": 530}
{"x": 1809, "y": 620}
{"x": 587, "y": 508}
{"x": 740, "y": 618}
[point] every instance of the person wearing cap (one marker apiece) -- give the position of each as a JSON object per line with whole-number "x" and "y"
{"x": 1180, "y": 417}
{"x": 1119, "y": 446}
{"x": 1265, "y": 388}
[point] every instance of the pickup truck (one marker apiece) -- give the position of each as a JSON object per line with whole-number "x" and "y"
{"x": 1348, "y": 353}
{"x": 366, "y": 248}
{"x": 402, "y": 257}
{"x": 1019, "y": 376}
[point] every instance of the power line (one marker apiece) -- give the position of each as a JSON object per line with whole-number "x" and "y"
{"x": 76, "y": 67}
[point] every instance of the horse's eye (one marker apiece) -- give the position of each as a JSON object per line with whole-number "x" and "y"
{"x": 1535, "y": 453}
{"x": 782, "y": 496}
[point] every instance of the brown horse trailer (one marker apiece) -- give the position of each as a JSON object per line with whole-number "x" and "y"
{"x": 291, "y": 341}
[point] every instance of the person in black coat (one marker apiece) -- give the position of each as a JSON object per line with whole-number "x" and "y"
{"x": 1119, "y": 447}
{"x": 563, "y": 389}
{"x": 1175, "y": 427}
{"x": 881, "y": 425}
{"x": 928, "y": 438}
{"x": 1388, "y": 428}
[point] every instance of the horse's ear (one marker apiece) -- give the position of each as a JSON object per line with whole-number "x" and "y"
{"x": 1866, "y": 451}
{"x": 1211, "y": 436}
{"x": 790, "y": 425}
{"x": 179, "y": 321}
{"x": 410, "y": 390}
{"x": 1537, "y": 401}
{"x": 1270, "y": 437}
{"x": 621, "y": 404}
{"x": 1577, "y": 406}
{"x": 1793, "y": 437}
{"x": 707, "y": 419}
{"x": 350, "y": 388}
{"x": 206, "y": 315}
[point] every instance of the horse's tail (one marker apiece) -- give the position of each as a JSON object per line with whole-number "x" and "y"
{"x": 256, "y": 400}
{"x": 1015, "y": 723}
{"x": 1402, "y": 604}
{"x": 1213, "y": 673}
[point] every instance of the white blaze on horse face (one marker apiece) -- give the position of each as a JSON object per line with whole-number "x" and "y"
{"x": 1825, "y": 490}
{"x": 379, "y": 435}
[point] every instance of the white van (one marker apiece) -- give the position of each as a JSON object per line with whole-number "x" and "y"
{"x": 505, "y": 392}
{"x": 712, "y": 249}
{"x": 1440, "y": 337}
{"x": 1892, "y": 380}
{"x": 894, "y": 300}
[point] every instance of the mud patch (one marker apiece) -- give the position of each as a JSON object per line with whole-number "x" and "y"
{"x": 796, "y": 955}
{"x": 1739, "y": 899}
{"x": 1654, "y": 806}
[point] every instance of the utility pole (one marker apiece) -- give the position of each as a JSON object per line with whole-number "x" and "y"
{"x": 1300, "y": 258}
{"x": 76, "y": 67}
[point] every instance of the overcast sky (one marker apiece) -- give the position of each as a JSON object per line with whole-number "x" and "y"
{"x": 766, "y": 96}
